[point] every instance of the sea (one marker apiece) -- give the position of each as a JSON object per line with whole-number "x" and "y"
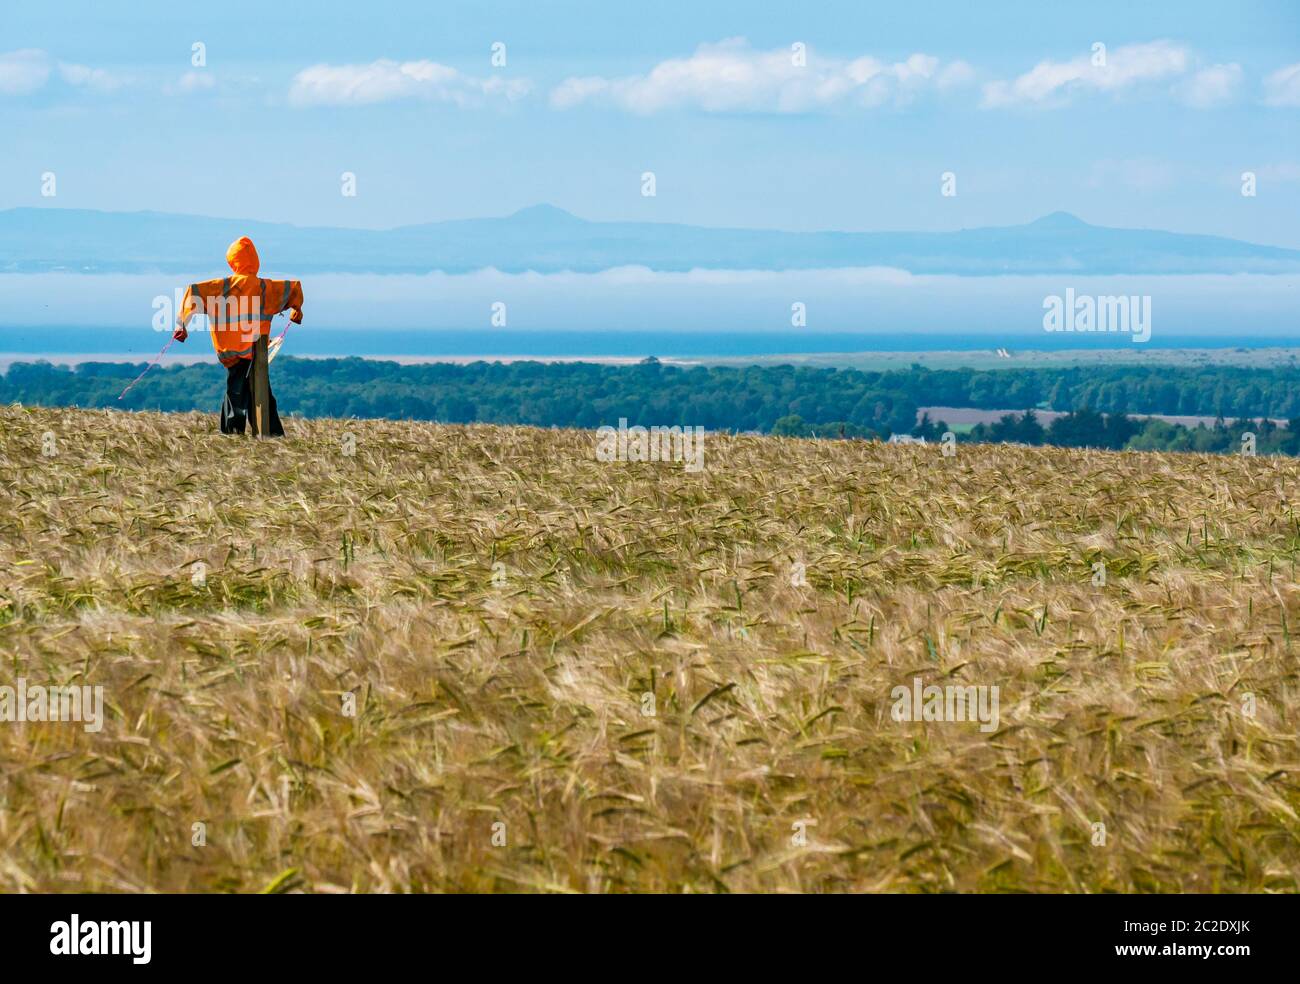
{"x": 76, "y": 344}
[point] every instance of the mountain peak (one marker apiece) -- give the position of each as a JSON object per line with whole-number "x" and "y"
{"x": 544, "y": 214}
{"x": 1059, "y": 220}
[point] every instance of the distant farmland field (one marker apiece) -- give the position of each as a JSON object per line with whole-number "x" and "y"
{"x": 970, "y": 416}
{"x": 476, "y": 658}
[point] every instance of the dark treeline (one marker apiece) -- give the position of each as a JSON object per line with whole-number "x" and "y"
{"x": 781, "y": 399}
{"x": 1205, "y": 391}
{"x": 540, "y": 394}
{"x": 1089, "y": 429}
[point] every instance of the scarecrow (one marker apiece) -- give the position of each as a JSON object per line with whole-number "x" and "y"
{"x": 239, "y": 309}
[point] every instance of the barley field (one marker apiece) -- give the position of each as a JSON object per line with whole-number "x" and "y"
{"x": 478, "y": 659}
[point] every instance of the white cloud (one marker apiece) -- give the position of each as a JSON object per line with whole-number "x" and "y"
{"x": 634, "y": 276}
{"x": 385, "y": 80}
{"x": 955, "y": 75}
{"x": 30, "y": 69}
{"x": 1052, "y": 83}
{"x": 90, "y": 78}
{"x": 1282, "y": 88}
{"x": 23, "y": 71}
{"x": 1211, "y": 87}
{"x": 730, "y": 76}
{"x": 196, "y": 82}
{"x": 201, "y": 81}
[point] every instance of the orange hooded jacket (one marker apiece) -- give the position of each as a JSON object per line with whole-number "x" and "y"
{"x": 242, "y": 306}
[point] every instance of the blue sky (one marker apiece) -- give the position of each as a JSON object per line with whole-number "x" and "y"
{"x": 706, "y": 95}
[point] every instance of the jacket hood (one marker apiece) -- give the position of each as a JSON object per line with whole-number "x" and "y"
{"x": 242, "y": 257}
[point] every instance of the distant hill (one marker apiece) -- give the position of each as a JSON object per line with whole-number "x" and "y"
{"x": 548, "y": 239}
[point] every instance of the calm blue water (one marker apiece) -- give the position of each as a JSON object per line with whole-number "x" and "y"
{"x": 137, "y": 343}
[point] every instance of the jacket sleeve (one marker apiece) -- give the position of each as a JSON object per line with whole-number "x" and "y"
{"x": 196, "y": 296}
{"x": 290, "y": 294}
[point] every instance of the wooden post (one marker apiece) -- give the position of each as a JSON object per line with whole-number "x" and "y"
{"x": 261, "y": 390}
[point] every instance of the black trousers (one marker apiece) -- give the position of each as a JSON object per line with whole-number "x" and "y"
{"x": 237, "y": 407}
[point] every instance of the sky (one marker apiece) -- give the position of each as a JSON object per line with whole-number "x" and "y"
{"x": 836, "y": 115}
